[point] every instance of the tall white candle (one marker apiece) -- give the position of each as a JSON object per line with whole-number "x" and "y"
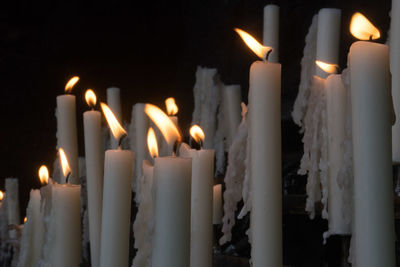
{"x": 232, "y": 109}
{"x": 217, "y": 204}
{"x": 114, "y": 102}
{"x": 116, "y": 199}
{"x": 336, "y": 97}
{"x": 271, "y": 30}
{"x": 328, "y": 37}
{"x": 394, "y": 44}
{"x": 371, "y": 127}
{"x": 94, "y": 175}
{"x": 171, "y": 242}
{"x": 12, "y": 196}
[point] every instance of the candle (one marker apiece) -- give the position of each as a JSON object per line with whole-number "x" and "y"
{"x": 265, "y": 158}
{"x": 271, "y": 30}
{"x": 172, "y": 181}
{"x": 139, "y": 126}
{"x": 394, "y": 45}
{"x": 217, "y": 204}
{"x": 201, "y": 220}
{"x": 328, "y": 37}
{"x": 232, "y": 98}
{"x": 66, "y": 128}
{"x": 114, "y": 102}
{"x": 373, "y": 232}
{"x": 94, "y": 174}
{"x": 336, "y": 113}
{"x": 116, "y": 199}
{"x": 62, "y": 217}
{"x": 33, "y": 230}
{"x": 143, "y": 225}
{"x": 12, "y": 196}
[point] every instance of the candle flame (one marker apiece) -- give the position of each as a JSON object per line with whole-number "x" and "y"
{"x": 362, "y": 28}
{"x": 115, "y": 126}
{"x": 168, "y": 129}
{"x": 327, "y": 67}
{"x": 64, "y": 162}
{"x": 197, "y": 133}
{"x": 260, "y": 50}
{"x": 71, "y": 83}
{"x": 25, "y": 219}
{"x": 172, "y": 108}
{"x": 43, "y": 175}
{"x": 1, "y": 195}
{"x": 91, "y": 98}
{"x": 152, "y": 143}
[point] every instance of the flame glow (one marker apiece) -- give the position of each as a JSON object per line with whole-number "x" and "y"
{"x": 164, "y": 123}
{"x": 1, "y": 195}
{"x": 362, "y": 28}
{"x": 197, "y": 133}
{"x": 25, "y": 219}
{"x": 327, "y": 67}
{"x": 71, "y": 83}
{"x": 152, "y": 143}
{"x": 91, "y": 98}
{"x": 43, "y": 175}
{"x": 64, "y": 162}
{"x": 172, "y": 108}
{"x": 113, "y": 122}
{"x": 260, "y": 50}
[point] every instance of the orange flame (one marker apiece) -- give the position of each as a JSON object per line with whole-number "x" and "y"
{"x": 1, "y": 195}
{"x": 197, "y": 133}
{"x": 152, "y": 143}
{"x": 362, "y": 28}
{"x": 260, "y": 50}
{"x": 164, "y": 123}
{"x": 43, "y": 175}
{"x": 64, "y": 162}
{"x": 25, "y": 219}
{"x": 71, "y": 83}
{"x": 327, "y": 67}
{"x": 172, "y": 108}
{"x": 113, "y": 122}
{"x": 91, "y": 98}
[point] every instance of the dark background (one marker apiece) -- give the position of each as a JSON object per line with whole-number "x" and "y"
{"x": 150, "y": 50}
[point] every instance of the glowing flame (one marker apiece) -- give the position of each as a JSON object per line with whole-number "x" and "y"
{"x": 64, "y": 162}
{"x": 327, "y": 67}
{"x": 113, "y": 122}
{"x": 197, "y": 133}
{"x": 260, "y": 50}
{"x": 25, "y": 219}
{"x": 362, "y": 28}
{"x": 91, "y": 98}
{"x": 71, "y": 83}
{"x": 43, "y": 175}
{"x": 1, "y": 195}
{"x": 172, "y": 108}
{"x": 152, "y": 143}
{"x": 164, "y": 123}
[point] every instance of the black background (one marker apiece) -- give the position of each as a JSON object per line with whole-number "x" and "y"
{"x": 150, "y": 49}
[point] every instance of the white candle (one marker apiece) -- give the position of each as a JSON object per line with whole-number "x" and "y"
{"x": 372, "y": 157}
{"x": 394, "y": 44}
{"x": 171, "y": 242}
{"x": 114, "y": 102}
{"x": 116, "y": 199}
{"x": 12, "y": 196}
{"x": 271, "y": 30}
{"x": 336, "y": 97}
{"x": 94, "y": 174}
{"x": 328, "y": 37}
{"x": 232, "y": 109}
{"x": 217, "y": 204}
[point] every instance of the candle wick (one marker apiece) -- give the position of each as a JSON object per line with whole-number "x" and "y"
{"x": 67, "y": 177}
{"x": 120, "y": 141}
{"x": 266, "y": 57}
{"x": 370, "y": 37}
{"x": 175, "y": 150}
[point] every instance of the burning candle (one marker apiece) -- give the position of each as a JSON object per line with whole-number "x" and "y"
{"x": 94, "y": 174}
{"x": 66, "y": 128}
{"x": 373, "y": 232}
{"x": 33, "y": 231}
{"x": 265, "y": 157}
{"x": 114, "y": 102}
{"x": 62, "y": 243}
{"x": 116, "y": 199}
{"x": 172, "y": 179}
{"x": 271, "y": 30}
{"x": 201, "y": 230}
{"x": 172, "y": 109}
